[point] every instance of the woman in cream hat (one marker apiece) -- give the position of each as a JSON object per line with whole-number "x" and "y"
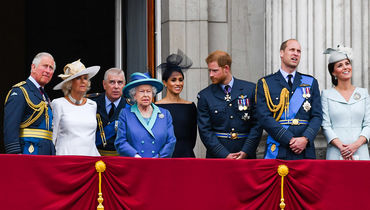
{"x": 74, "y": 122}
{"x": 144, "y": 130}
{"x": 346, "y": 110}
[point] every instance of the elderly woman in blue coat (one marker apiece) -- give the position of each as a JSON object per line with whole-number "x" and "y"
{"x": 144, "y": 130}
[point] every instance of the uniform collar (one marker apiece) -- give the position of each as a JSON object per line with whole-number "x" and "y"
{"x": 231, "y": 83}
{"x": 108, "y": 102}
{"x": 285, "y": 74}
{"x": 34, "y": 82}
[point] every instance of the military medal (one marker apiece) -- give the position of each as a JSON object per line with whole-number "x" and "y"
{"x": 357, "y": 96}
{"x": 243, "y": 103}
{"x": 227, "y": 97}
{"x": 116, "y": 125}
{"x": 240, "y": 102}
{"x": 306, "y": 92}
{"x": 247, "y": 104}
{"x": 306, "y": 106}
{"x": 246, "y": 117}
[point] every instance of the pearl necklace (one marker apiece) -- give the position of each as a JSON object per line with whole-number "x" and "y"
{"x": 77, "y": 102}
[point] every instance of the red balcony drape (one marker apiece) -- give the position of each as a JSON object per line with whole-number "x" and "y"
{"x": 71, "y": 182}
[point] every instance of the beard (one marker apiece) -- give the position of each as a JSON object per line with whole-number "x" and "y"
{"x": 218, "y": 80}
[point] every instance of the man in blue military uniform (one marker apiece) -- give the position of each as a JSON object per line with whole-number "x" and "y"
{"x": 27, "y": 111}
{"x": 289, "y": 108}
{"x": 109, "y": 106}
{"x": 226, "y": 109}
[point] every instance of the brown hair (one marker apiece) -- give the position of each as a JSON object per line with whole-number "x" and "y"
{"x": 222, "y": 58}
{"x": 284, "y": 44}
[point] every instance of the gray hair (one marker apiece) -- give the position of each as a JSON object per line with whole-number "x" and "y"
{"x": 132, "y": 93}
{"x": 36, "y": 60}
{"x": 67, "y": 87}
{"x": 115, "y": 71}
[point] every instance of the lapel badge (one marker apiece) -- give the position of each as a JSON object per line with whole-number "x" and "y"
{"x": 160, "y": 115}
{"x": 227, "y": 97}
{"x": 306, "y": 106}
{"x": 357, "y": 96}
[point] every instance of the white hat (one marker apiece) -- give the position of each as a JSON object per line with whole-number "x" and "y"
{"x": 339, "y": 54}
{"x": 74, "y": 70}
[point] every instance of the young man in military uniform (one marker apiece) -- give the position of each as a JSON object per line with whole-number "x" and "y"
{"x": 226, "y": 108}
{"x": 109, "y": 105}
{"x": 289, "y": 108}
{"x": 27, "y": 112}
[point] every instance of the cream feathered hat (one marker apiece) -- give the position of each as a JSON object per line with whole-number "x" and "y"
{"x": 74, "y": 70}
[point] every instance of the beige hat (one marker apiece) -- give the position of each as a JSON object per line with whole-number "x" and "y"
{"x": 74, "y": 70}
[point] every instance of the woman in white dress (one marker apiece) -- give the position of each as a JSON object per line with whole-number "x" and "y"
{"x": 74, "y": 116}
{"x": 346, "y": 111}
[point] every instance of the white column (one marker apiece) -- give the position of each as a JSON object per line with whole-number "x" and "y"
{"x": 317, "y": 25}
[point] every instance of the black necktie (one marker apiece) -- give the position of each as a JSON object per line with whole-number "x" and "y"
{"x": 44, "y": 94}
{"x": 290, "y": 83}
{"x": 227, "y": 89}
{"x": 111, "y": 111}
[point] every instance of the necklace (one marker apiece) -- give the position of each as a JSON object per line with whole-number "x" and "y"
{"x": 77, "y": 102}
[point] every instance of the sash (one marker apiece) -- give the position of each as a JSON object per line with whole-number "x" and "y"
{"x": 295, "y": 104}
{"x": 110, "y": 131}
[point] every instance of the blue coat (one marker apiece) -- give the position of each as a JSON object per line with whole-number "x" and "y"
{"x": 346, "y": 120}
{"x": 134, "y": 136}
{"x": 16, "y": 111}
{"x": 101, "y": 110}
{"x": 216, "y": 115}
{"x": 276, "y": 83}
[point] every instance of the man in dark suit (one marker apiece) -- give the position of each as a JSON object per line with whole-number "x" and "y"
{"x": 226, "y": 108}
{"x": 109, "y": 104}
{"x": 27, "y": 111}
{"x": 289, "y": 108}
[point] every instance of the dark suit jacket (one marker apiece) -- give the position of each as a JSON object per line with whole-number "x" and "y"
{"x": 100, "y": 101}
{"x": 215, "y": 114}
{"x": 276, "y": 83}
{"x": 17, "y": 111}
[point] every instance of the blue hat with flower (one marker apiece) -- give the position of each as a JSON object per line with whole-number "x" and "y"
{"x": 137, "y": 79}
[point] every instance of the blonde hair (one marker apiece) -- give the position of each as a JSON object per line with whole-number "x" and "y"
{"x": 67, "y": 87}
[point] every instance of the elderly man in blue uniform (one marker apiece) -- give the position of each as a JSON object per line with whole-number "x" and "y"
{"x": 109, "y": 105}
{"x": 226, "y": 109}
{"x": 27, "y": 112}
{"x": 289, "y": 108}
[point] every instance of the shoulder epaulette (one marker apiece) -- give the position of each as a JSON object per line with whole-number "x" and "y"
{"x": 306, "y": 74}
{"x": 20, "y": 84}
{"x": 92, "y": 95}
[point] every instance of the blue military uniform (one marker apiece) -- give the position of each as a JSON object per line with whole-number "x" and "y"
{"x": 105, "y": 142}
{"x": 27, "y": 121}
{"x": 226, "y": 122}
{"x": 301, "y": 114}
